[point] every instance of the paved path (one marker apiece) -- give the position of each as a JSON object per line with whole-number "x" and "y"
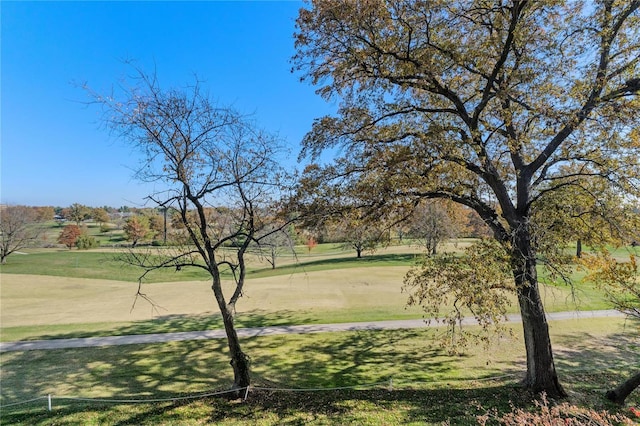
{"x": 264, "y": 331}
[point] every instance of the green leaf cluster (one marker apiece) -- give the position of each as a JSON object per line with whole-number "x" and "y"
{"x": 450, "y": 287}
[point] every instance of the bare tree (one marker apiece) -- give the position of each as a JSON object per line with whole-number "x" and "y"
{"x": 431, "y": 224}
{"x": 208, "y": 159}
{"x": 274, "y": 241}
{"x": 18, "y": 229}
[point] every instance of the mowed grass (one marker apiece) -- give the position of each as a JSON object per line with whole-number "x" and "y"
{"x": 71, "y": 293}
{"x": 104, "y": 264}
{"x": 428, "y": 385}
{"x": 79, "y": 294}
{"x": 47, "y": 307}
{"x": 412, "y": 381}
{"x": 43, "y": 307}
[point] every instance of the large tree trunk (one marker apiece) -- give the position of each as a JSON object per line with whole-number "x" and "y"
{"x": 620, "y": 394}
{"x": 541, "y": 372}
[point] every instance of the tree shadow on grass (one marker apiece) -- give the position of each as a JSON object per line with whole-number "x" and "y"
{"x": 425, "y": 389}
{"x": 376, "y": 406}
{"x": 161, "y": 370}
{"x": 173, "y": 370}
{"x": 418, "y": 406}
{"x": 599, "y": 363}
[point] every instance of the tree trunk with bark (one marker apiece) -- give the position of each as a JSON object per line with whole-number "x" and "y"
{"x": 239, "y": 360}
{"x": 579, "y": 248}
{"x": 620, "y": 394}
{"x": 541, "y": 373}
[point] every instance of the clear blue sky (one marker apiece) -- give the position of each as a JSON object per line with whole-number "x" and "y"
{"x": 53, "y": 150}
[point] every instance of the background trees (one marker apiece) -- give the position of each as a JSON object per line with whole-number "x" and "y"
{"x": 18, "y": 229}
{"x": 357, "y": 232}
{"x": 494, "y": 108}
{"x": 101, "y": 216}
{"x": 69, "y": 235}
{"x": 276, "y": 239}
{"x": 86, "y": 241}
{"x": 78, "y": 213}
{"x": 136, "y": 228}
{"x": 44, "y": 213}
{"x": 217, "y": 170}
{"x": 433, "y": 222}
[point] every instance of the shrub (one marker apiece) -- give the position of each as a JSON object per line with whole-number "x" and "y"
{"x": 85, "y": 242}
{"x": 557, "y": 415}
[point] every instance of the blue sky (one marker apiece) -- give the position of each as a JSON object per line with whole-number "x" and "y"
{"x": 53, "y": 150}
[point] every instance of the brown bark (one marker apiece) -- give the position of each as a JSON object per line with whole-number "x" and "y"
{"x": 239, "y": 360}
{"x": 620, "y": 394}
{"x": 541, "y": 373}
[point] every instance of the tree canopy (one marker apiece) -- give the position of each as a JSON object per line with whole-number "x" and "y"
{"x": 69, "y": 235}
{"x": 491, "y": 105}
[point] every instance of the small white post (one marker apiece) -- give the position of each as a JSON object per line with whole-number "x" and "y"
{"x": 49, "y": 401}
{"x": 246, "y": 393}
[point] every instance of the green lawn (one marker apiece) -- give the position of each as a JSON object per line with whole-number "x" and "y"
{"x": 46, "y": 307}
{"x": 61, "y": 293}
{"x": 418, "y": 383}
{"x": 101, "y": 264}
{"x": 41, "y": 307}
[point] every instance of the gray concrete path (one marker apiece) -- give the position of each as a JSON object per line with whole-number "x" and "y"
{"x": 265, "y": 331}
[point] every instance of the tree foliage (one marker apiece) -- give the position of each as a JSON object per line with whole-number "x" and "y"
{"x": 100, "y": 215}
{"x": 451, "y": 287}
{"x": 589, "y": 211}
{"x": 493, "y": 106}
{"x": 136, "y": 229}
{"x": 156, "y": 225}
{"x": 620, "y": 282}
{"x": 86, "y": 242}
{"x": 69, "y": 235}
{"x": 78, "y": 213}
